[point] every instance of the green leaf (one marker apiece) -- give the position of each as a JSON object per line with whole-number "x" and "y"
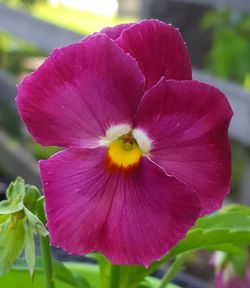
{"x": 144, "y": 284}
{"x": 228, "y": 226}
{"x": 3, "y": 218}
{"x": 30, "y": 251}
{"x": 36, "y": 225}
{"x": 15, "y": 195}
{"x": 81, "y": 282}
{"x": 63, "y": 273}
{"x": 224, "y": 230}
{"x": 11, "y": 242}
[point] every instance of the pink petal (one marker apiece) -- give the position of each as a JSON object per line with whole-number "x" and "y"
{"x": 79, "y": 91}
{"x": 132, "y": 218}
{"x": 159, "y": 50}
{"x": 188, "y": 124}
{"x": 115, "y": 32}
{"x": 229, "y": 279}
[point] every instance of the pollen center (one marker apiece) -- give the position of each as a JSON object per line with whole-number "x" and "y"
{"x": 124, "y": 151}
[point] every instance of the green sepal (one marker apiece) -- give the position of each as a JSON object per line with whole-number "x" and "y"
{"x": 31, "y": 195}
{"x": 16, "y": 190}
{"x": 35, "y": 223}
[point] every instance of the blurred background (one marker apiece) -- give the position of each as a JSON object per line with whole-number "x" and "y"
{"x": 217, "y": 34}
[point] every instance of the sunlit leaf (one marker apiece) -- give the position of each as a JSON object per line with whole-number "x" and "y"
{"x": 11, "y": 243}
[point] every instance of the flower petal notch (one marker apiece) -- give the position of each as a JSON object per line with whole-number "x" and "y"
{"x": 115, "y": 32}
{"x": 145, "y": 155}
{"x": 163, "y": 54}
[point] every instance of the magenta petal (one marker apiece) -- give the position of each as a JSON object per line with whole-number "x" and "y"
{"x": 159, "y": 50}
{"x": 115, "y": 32}
{"x": 188, "y": 124}
{"x": 131, "y": 218}
{"x": 79, "y": 91}
{"x": 229, "y": 279}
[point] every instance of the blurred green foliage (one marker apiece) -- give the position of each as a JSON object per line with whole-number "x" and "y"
{"x": 13, "y": 53}
{"x": 22, "y": 3}
{"x": 14, "y": 56}
{"x": 247, "y": 82}
{"x": 229, "y": 56}
{"x": 41, "y": 152}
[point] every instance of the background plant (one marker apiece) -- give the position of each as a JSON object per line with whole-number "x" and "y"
{"x": 229, "y": 54}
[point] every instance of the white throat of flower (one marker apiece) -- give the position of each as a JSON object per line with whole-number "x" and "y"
{"x": 116, "y": 131}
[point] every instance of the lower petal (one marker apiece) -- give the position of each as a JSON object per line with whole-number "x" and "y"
{"x": 132, "y": 218}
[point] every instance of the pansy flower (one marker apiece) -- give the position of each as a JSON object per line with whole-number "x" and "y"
{"x": 146, "y": 148}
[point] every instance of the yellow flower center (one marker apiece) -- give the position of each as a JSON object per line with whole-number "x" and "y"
{"x": 124, "y": 152}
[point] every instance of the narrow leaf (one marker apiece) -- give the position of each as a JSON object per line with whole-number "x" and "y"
{"x": 63, "y": 273}
{"x": 82, "y": 282}
{"x": 105, "y": 267}
{"x": 30, "y": 251}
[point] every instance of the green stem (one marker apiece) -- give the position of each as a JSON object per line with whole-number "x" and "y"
{"x": 173, "y": 270}
{"x": 114, "y": 276}
{"x": 46, "y": 251}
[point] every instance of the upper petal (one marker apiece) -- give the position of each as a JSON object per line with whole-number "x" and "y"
{"x": 159, "y": 50}
{"x": 115, "y": 32}
{"x": 187, "y": 122}
{"x": 132, "y": 218}
{"x": 79, "y": 92}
